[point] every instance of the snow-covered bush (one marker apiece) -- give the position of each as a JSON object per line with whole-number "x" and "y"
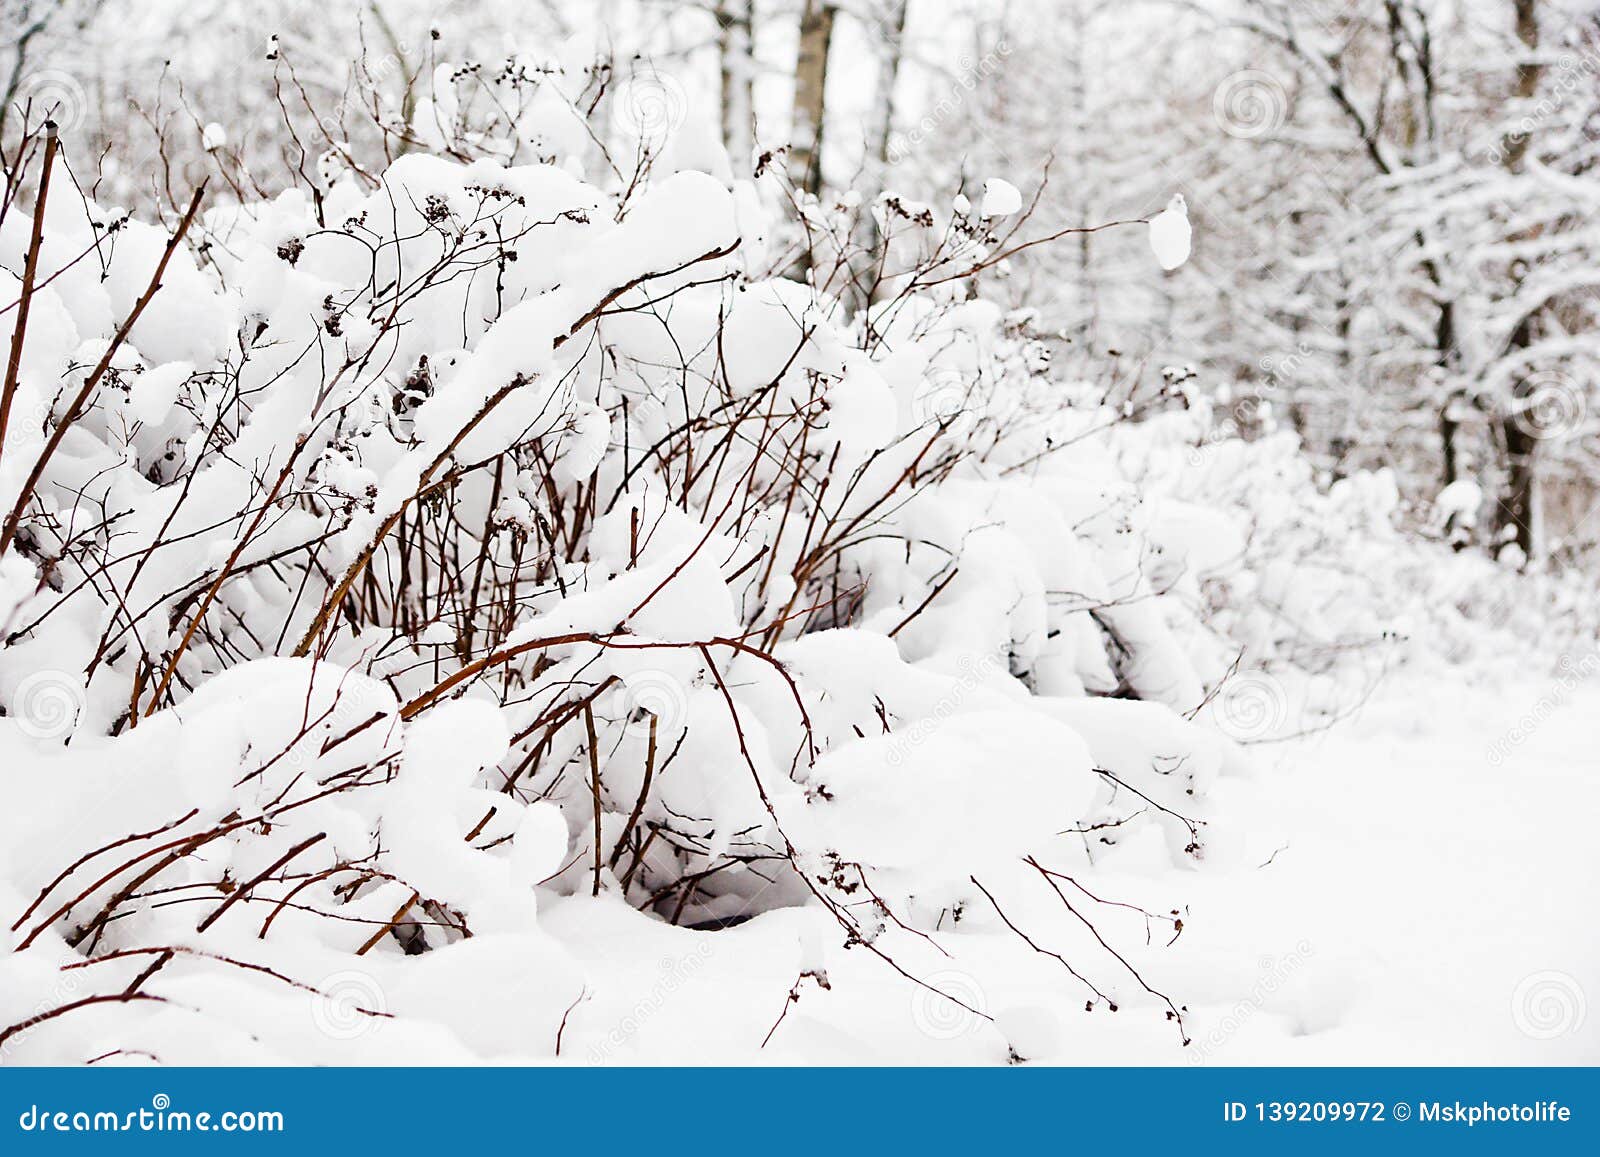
{"x": 1344, "y": 576}
{"x": 445, "y": 582}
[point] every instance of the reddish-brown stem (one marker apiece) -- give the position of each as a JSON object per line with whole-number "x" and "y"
{"x": 30, "y": 273}
{"x": 9, "y": 532}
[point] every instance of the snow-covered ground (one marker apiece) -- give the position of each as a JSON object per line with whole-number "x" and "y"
{"x": 1413, "y": 887}
{"x": 1441, "y": 895}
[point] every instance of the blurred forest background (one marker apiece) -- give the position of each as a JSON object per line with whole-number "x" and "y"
{"x": 1395, "y": 247}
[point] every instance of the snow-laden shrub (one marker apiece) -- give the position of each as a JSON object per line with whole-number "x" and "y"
{"x": 427, "y": 549}
{"x": 408, "y": 586}
{"x": 1335, "y": 585}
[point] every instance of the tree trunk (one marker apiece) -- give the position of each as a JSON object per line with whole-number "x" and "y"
{"x": 1448, "y": 429}
{"x": 880, "y": 139}
{"x": 1520, "y": 506}
{"x": 810, "y": 85}
{"x": 1529, "y": 70}
{"x": 1520, "y": 509}
{"x": 1444, "y": 339}
{"x": 882, "y": 131}
{"x": 735, "y": 49}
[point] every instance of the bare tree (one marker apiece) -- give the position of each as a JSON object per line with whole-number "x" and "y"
{"x": 1518, "y": 512}
{"x": 879, "y": 145}
{"x": 735, "y": 43}
{"x": 810, "y": 89}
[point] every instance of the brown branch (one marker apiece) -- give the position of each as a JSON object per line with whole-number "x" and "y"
{"x": 594, "y": 780}
{"x": 30, "y": 271}
{"x": 243, "y": 890}
{"x": 9, "y": 532}
{"x": 87, "y": 1002}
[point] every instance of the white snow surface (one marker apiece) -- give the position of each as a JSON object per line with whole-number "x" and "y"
{"x": 1361, "y": 901}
